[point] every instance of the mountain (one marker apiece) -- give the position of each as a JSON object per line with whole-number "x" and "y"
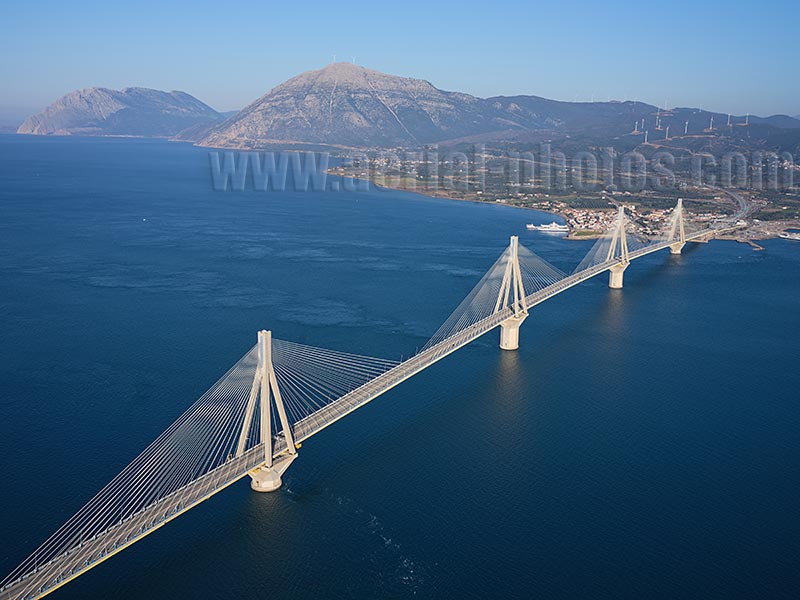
{"x": 598, "y": 117}
{"x": 347, "y": 105}
{"x": 131, "y": 111}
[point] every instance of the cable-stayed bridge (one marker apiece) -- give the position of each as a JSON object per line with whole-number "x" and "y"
{"x": 280, "y": 393}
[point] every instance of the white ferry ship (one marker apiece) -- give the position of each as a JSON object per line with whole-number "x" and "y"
{"x": 551, "y": 227}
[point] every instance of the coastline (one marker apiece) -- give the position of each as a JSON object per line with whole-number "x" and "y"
{"x": 442, "y": 196}
{"x": 572, "y": 235}
{"x": 765, "y": 230}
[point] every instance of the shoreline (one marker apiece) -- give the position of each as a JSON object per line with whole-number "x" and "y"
{"x": 750, "y": 240}
{"x": 442, "y": 195}
{"x": 569, "y": 236}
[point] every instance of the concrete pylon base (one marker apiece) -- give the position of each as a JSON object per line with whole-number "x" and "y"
{"x": 615, "y": 276}
{"x": 509, "y": 333}
{"x": 268, "y": 479}
{"x": 676, "y": 247}
{"x": 265, "y": 479}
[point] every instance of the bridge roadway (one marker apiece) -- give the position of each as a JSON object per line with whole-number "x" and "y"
{"x": 87, "y": 554}
{"x": 343, "y": 406}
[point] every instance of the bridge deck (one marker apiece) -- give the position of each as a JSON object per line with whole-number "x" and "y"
{"x": 334, "y": 411}
{"x": 87, "y": 554}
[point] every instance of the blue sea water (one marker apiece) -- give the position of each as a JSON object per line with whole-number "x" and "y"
{"x": 642, "y": 443}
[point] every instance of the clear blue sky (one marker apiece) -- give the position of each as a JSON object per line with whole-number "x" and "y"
{"x": 721, "y": 55}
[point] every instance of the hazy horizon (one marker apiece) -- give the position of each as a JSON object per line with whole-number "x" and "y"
{"x": 709, "y": 56}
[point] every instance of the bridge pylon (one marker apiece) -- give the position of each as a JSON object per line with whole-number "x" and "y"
{"x": 618, "y": 249}
{"x": 263, "y": 393}
{"x": 513, "y": 290}
{"x": 676, "y": 229}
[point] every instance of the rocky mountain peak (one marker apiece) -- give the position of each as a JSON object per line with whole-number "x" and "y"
{"x": 131, "y": 111}
{"x": 349, "y": 105}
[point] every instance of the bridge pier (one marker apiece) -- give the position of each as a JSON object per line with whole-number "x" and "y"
{"x": 509, "y": 332}
{"x": 676, "y": 247}
{"x": 268, "y": 478}
{"x": 511, "y": 295}
{"x": 265, "y": 479}
{"x": 615, "y": 275}
{"x": 677, "y": 228}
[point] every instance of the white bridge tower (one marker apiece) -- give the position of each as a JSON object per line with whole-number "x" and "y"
{"x": 267, "y": 476}
{"x": 676, "y": 229}
{"x": 618, "y": 239}
{"x": 512, "y": 288}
